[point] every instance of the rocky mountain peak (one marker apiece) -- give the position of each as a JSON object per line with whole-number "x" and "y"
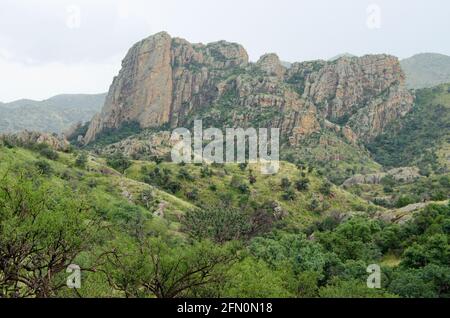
{"x": 271, "y": 64}
{"x": 167, "y": 80}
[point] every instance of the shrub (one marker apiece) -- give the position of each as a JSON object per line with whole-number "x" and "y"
{"x": 119, "y": 162}
{"x": 43, "y": 167}
{"x": 173, "y": 186}
{"x": 325, "y": 188}
{"x": 302, "y": 184}
{"x": 192, "y": 195}
{"x": 81, "y": 160}
{"x": 217, "y": 224}
{"x": 285, "y": 183}
{"x": 243, "y": 166}
{"x": 184, "y": 174}
{"x": 404, "y": 201}
{"x": 49, "y": 153}
{"x": 252, "y": 179}
{"x": 243, "y": 188}
{"x": 288, "y": 195}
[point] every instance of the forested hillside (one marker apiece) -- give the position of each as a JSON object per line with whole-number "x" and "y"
{"x": 160, "y": 237}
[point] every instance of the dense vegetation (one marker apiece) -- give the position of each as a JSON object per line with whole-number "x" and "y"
{"x": 220, "y": 232}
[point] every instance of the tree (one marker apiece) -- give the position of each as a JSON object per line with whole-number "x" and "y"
{"x": 290, "y": 250}
{"x": 325, "y": 188}
{"x": 253, "y": 278}
{"x": 43, "y": 167}
{"x": 156, "y": 268}
{"x": 193, "y": 195}
{"x": 217, "y": 224}
{"x": 352, "y": 289}
{"x": 434, "y": 251}
{"x": 42, "y": 230}
{"x": 49, "y": 153}
{"x": 289, "y": 195}
{"x": 354, "y": 239}
{"x": 302, "y": 184}
{"x": 119, "y": 162}
{"x": 307, "y": 284}
{"x": 81, "y": 160}
{"x": 408, "y": 283}
{"x": 185, "y": 175}
{"x": 285, "y": 184}
{"x": 404, "y": 201}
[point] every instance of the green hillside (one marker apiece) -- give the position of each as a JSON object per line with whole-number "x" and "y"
{"x": 165, "y": 230}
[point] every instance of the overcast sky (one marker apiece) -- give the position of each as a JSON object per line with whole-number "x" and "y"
{"x": 49, "y": 47}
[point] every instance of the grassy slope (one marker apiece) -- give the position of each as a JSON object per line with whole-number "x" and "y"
{"x": 337, "y": 159}
{"x": 109, "y": 191}
{"x": 266, "y": 189}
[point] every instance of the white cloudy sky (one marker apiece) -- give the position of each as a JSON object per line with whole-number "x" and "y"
{"x": 48, "y": 47}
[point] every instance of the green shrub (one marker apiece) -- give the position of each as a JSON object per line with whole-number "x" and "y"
{"x": 43, "y": 167}
{"x": 119, "y": 162}
{"x": 302, "y": 184}
{"x": 49, "y": 153}
{"x": 81, "y": 160}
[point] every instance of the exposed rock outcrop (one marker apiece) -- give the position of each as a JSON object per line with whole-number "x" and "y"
{"x": 403, "y": 174}
{"x": 168, "y": 81}
{"x": 25, "y": 137}
{"x": 271, "y": 64}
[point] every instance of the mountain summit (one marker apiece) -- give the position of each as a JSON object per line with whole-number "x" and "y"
{"x": 169, "y": 81}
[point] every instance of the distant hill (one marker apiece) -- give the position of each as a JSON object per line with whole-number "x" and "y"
{"x": 426, "y": 70}
{"x": 51, "y": 115}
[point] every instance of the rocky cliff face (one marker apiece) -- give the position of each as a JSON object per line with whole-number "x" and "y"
{"x": 169, "y": 81}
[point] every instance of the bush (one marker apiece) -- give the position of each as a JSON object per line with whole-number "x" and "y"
{"x": 285, "y": 183}
{"x": 184, "y": 174}
{"x": 192, "y": 195}
{"x": 205, "y": 172}
{"x": 302, "y": 184}
{"x": 314, "y": 205}
{"x": 217, "y": 224}
{"x": 243, "y": 166}
{"x": 173, "y": 186}
{"x": 43, "y": 167}
{"x": 404, "y": 201}
{"x": 288, "y": 195}
{"x": 119, "y": 162}
{"x": 325, "y": 188}
{"x": 49, "y": 153}
{"x": 243, "y": 188}
{"x": 81, "y": 160}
